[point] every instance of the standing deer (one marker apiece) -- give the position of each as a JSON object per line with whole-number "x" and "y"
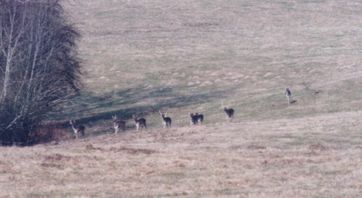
{"x": 166, "y": 121}
{"x": 77, "y": 129}
{"x": 118, "y": 124}
{"x": 196, "y": 118}
{"x": 200, "y": 119}
{"x": 288, "y": 94}
{"x": 229, "y": 111}
{"x": 193, "y": 119}
{"x": 140, "y": 123}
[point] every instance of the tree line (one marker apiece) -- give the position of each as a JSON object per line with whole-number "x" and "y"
{"x": 39, "y": 65}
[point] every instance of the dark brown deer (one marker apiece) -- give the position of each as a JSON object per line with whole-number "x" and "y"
{"x": 196, "y": 118}
{"x": 140, "y": 123}
{"x": 288, "y": 94}
{"x": 166, "y": 121}
{"x": 77, "y": 129}
{"x": 229, "y": 112}
{"x": 118, "y": 124}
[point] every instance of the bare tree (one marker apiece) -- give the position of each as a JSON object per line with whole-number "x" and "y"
{"x": 39, "y": 68}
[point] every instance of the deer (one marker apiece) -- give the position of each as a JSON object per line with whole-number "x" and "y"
{"x": 77, "y": 129}
{"x": 288, "y": 94}
{"x": 139, "y": 122}
{"x": 200, "y": 119}
{"x": 166, "y": 121}
{"x": 196, "y": 118}
{"x": 118, "y": 124}
{"x": 228, "y": 111}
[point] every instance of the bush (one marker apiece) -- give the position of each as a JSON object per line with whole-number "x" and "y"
{"x": 49, "y": 132}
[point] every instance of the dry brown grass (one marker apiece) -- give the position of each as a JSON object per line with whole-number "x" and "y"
{"x": 168, "y": 53}
{"x": 304, "y": 157}
{"x": 189, "y": 56}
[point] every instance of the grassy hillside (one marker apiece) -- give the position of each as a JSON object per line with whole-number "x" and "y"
{"x": 181, "y": 56}
{"x": 304, "y": 157}
{"x": 194, "y": 54}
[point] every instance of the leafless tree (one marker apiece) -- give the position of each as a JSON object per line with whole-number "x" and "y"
{"x": 39, "y": 68}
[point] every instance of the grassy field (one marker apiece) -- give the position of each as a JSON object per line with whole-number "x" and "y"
{"x": 302, "y": 157}
{"x": 140, "y": 56}
{"x": 193, "y": 54}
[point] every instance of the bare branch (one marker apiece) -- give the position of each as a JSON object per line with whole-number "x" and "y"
{"x": 12, "y": 123}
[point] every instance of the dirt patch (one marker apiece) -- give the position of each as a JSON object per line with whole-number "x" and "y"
{"x": 5, "y": 167}
{"x": 52, "y": 165}
{"x": 91, "y": 147}
{"x": 256, "y": 147}
{"x": 318, "y": 147}
{"x": 55, "y": 161}
{"x": 57, "y": 157}
{"x": 60, "y": 161}
{"x": 133, "y": 151}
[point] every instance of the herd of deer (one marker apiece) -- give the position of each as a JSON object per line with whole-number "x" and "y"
{"x": 140, "y": 122}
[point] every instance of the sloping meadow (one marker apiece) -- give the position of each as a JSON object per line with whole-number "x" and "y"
{"x": 242, "y": 53}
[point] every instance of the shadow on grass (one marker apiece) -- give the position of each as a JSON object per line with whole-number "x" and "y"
{"x": 140, "y": 101}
